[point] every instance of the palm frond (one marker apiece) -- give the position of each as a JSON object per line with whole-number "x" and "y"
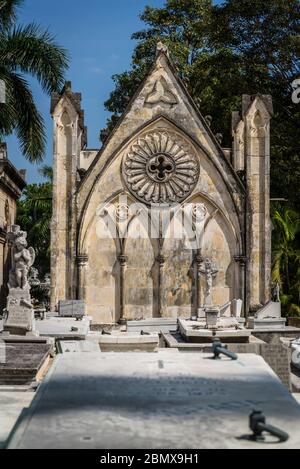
{"x": 282, "y": 224}
{"x": 293, "y": 310}
{"x": 31, "y": 50}
{"x": 287, "y": 222}
{"x": 46, "y": 172}
{"x": 277, "y": 266}
{"x": 8, "y": 13}
{"x": 26, "y": 119}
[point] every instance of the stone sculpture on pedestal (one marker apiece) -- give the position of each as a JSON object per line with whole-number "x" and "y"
{"x": 20, "y": 315}
{"x": 210, "y": 273}
{"x": 211, "y": 312}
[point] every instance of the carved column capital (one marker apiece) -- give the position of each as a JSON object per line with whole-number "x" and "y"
{"x": 242, "y": 260}
{"x": 198, "y": 258}
{"x": 122, "y": 260}
{"x": 161, "y": 260}
{"x": 82, "y": 260}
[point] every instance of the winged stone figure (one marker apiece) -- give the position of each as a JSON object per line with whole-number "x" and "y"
{"x": 22, "y": 259}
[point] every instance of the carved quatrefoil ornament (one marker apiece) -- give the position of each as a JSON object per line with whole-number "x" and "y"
{"x": 160, "y": 168}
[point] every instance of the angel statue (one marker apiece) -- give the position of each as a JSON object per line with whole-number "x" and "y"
{"x": 210, "y": 273}
{"x": 22, "y": 259}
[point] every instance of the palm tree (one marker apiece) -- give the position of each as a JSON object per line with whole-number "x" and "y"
{"x": 286, "y": 257}
{"x": 26, "y": 50}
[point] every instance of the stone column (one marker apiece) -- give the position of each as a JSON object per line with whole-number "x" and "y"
{"x": 199, "y": 260}
{"x": 241, "y": 262}
{"x": 68, "y": 127}
{"x": 122, "y": 259}
{"x": 257, "y": 115}
{"x": 82, "y": 260}
{"x": 161, "y": 263}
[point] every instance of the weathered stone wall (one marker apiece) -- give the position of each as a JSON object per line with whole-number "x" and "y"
{"x": 141, "y": 272}
{"x": 101, "y": 289}
{"x": 140, "y": 291}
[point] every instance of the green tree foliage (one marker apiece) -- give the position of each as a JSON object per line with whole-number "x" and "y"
{"x": 286, "y": 258}
{"x": 34, "y": 216}
{"x": 26, "y": 50}
{"x": 223, "y": 51}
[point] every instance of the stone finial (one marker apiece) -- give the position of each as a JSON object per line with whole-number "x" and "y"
{"x": 161, "y": 47}
{"x": 75, "y": 99}
{"x": 198, "y": 102}
{"x": 219, "y": 137}
{"x": 23, "y": 173}
{"x": 235, "y": 119}
{"x": 68, "y": 86}
{"x": 247, "y": 100}
{"x": 3, "y": 151}
{"x": 208, "y": 120}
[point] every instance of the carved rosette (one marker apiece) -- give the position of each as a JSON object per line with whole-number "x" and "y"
{"x": 160, "y": 168}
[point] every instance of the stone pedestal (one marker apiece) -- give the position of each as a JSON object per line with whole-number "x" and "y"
{"x": 20, "y": 315}
{"x": 236, "y": 308}
{"x": 201, "y": 313}
{"x": 211, "y": 313}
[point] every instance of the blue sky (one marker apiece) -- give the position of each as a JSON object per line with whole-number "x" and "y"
{"x": 97, "y": 35}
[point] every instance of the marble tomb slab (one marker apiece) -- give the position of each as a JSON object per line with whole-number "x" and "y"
{"x": 71, "y": 309}
{"x": 61, "y": 328}
{"x": 153, "y": 325}
{"x": 128, "y": 341}
{"x": 21, "y": 363}
{"x": 12, "y": 404}
{"x": 193, "y": 331}
{"x": 268, "y": 317}
{"x": 77, "y": 346}
{"x": 153, "y": 401}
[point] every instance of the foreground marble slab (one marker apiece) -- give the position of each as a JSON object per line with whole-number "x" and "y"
{"x": 155, "y": 400}
{"x": 12, "y": 404}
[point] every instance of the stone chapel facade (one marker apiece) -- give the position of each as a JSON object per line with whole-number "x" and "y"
{"x": 162, "y": 154}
